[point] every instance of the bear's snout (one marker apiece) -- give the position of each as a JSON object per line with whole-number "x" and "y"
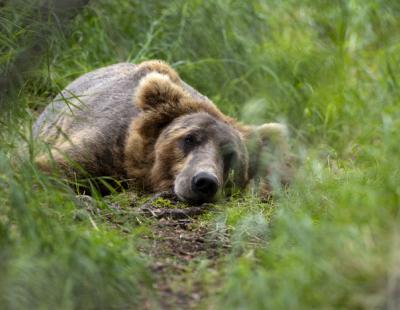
{"x": 198, "y": 184}
{"x": 205, "y": 185}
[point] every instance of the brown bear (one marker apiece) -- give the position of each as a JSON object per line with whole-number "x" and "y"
{"x": 143, "y": 124}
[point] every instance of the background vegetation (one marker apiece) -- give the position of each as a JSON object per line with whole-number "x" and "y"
{"x": 329, "y": 69}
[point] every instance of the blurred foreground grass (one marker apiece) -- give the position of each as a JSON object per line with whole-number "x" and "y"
{"x": 330, "y": 69}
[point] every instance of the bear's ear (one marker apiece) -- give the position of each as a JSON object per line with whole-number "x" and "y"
{"x": 156, "y": 89}
{"x": 159, "y": 66}
{"x": 270, "y": 158}
{"x": 275, "y": 134}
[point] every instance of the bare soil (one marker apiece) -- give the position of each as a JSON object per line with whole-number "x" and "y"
{"x": 179, "y": 245}
{"x": 183, "y": 254}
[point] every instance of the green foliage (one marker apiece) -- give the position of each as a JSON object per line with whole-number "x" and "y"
{"x": 329, "y": 69}
{"x": 50, "y": 258}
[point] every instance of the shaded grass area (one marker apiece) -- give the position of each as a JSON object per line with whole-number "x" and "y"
{"x": 328, "y": 69}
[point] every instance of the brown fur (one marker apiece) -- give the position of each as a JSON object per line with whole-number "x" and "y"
{"x": 162, "y": 101}
{"x": 158, "y": 66}
{"x": 160, "y": 98}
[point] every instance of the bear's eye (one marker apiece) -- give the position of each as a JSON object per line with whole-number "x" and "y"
{"x": 189, "y": 142}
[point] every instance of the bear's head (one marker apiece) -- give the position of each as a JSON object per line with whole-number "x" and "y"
{"x": 188, "y": 145}
{"x": 198, "y": 155}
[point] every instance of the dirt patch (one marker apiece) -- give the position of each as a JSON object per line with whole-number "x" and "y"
{"x": 183, "y": 253}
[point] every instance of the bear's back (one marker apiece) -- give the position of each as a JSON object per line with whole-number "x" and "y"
{"x": 101, "y": 99}
{"x": 89, "y": 119}
{"x": 95, "y": 100}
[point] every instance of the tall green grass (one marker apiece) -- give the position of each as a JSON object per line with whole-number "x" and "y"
{"x": 329, "y": 69}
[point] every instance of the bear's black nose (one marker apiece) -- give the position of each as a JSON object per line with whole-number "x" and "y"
{"x": 205, "y": 184}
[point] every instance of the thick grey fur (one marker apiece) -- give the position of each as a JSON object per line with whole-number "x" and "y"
{"x": 102, "y": 102}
